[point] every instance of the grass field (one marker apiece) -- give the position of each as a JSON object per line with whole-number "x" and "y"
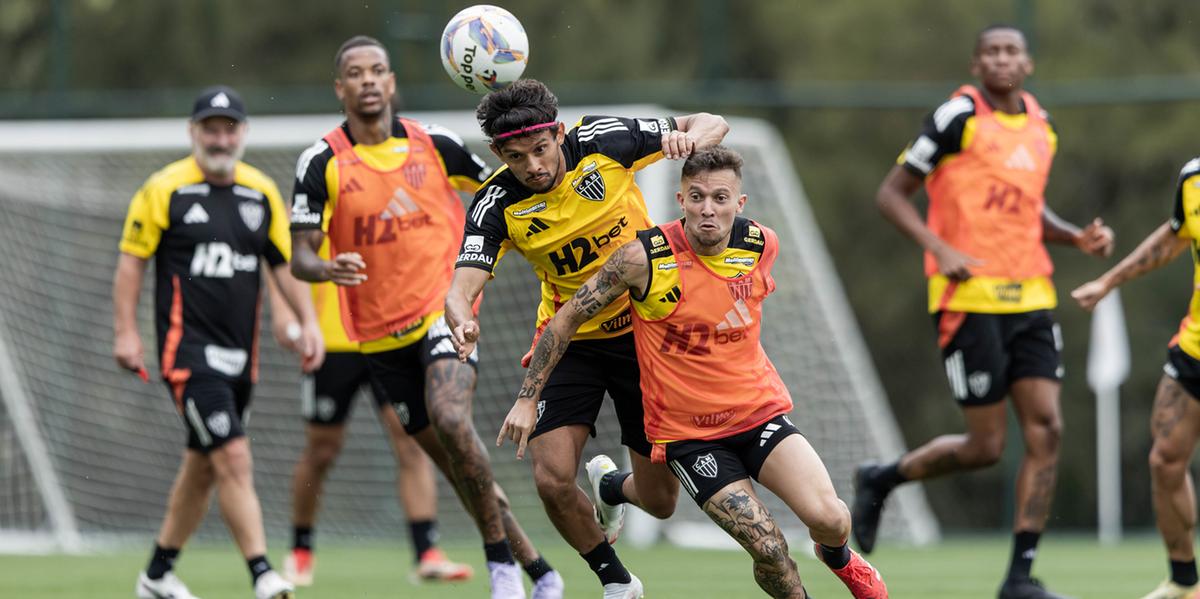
{"x": 962, "y": 568}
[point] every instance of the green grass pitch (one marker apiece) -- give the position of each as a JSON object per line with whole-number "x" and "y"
{"x": 960, "y": 568}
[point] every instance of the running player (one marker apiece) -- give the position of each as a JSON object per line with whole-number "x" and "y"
{"x": 716, "y": 409}
{"x": 209, "y": 220}
{"x": 394, "y": 225}
{"x": 1175, "y": 419}
{"x": 984, "y": 157}
{"x": 326, "y": 403}
{"x": 566, "y": 201}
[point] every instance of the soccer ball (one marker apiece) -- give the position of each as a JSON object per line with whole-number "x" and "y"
{"x": 484, "y": 48}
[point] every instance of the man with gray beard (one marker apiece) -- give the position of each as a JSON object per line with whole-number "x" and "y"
{"x": 209, "y": 220}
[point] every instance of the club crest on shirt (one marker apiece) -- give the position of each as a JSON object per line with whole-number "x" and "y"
{"x": 590, "y": 186}
{"x": 252, "y": 214}
{"x": 740, "y": 288}
{"x": 219, "y": 423}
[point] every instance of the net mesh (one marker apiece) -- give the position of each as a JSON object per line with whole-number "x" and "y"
{"x": 115, "y": 443}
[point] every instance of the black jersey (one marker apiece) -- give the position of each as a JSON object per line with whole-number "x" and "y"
{"x": 207, "y": 242}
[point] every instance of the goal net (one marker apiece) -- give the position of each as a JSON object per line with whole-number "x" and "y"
{"x": 89, "y": 452}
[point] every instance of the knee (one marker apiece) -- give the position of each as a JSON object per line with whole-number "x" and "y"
{"x": 449, "y": 420}
{"x": 983, "y": 451}
{"x": 832, "y": 520}
{"x": 232, "y": 463}
{"x": 554, "y": 487}
{"x": 1044, "y": 436}
{"x": 322, "y": 454}
{"x": 1166, "y": 462}
{"x": 661, "y": 505}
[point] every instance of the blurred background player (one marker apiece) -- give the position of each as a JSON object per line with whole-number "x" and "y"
{"x": 395, "y": 222}
{"x": 209, "y": 220}
{"x": 1175, "y": 420}
{"x": 326, "y": 402}
{"x": 572, "y": 200}
{"x": 984, "y": 157}
{"x": 716, "y": 409}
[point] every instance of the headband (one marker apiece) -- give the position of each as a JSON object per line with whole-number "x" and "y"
{"x": 524, "y": 130}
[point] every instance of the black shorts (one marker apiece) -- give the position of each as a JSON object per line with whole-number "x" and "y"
{"x": 399, "y": 374}
{"x": 214, "y": 409}
{"x": 705, "y": 467}
{"x": 985, "y": 353}
{"x": 1184, "y": 369}
{"x": 575, "y": 391}
{"x": 327, "y": 395}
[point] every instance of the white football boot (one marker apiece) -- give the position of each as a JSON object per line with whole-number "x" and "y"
{"x": 167, "y": 587}
{"x": 609, "y": 517}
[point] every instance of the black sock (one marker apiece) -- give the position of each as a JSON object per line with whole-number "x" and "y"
{"x": 1024, "y": 550}
{"x": 835, "y": 557}
{"x": 424, "y": 535}
{"x": 538, "y": 568}
{"x": 161, "y": 561}
{"x": 605, "y": 563}
{"x": 302, "y": 537}
{"x": 499, "y": 552}
{"x": 258, "y": 566}
{"x": 889, "y": 476}
{"x": 611, "y": 484}
{"x": 1184, "y": 573}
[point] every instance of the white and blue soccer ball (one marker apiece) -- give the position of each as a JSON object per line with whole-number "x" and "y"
{"x": 484, "y": 48}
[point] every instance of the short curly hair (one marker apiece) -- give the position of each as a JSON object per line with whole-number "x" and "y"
{"x": 714, "y": 158}
{"x": 525, "y": 103}
{"x": 358, "y": 41}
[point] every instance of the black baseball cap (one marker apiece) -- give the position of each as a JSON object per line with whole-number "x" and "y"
{"x": 219, "y": 100}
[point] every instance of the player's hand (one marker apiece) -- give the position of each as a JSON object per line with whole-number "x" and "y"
{"x": 519, "y": 424}
{"x": 344, "y": 269}
{"x": 287, "y": 333}
{"x": 1089, "y": 294}
{"x": 1096, "y": 239}
{"x": 464, "y": 337}
{"x": 953, "y": 263}
{"x": 311, "y": 347}
{"x": 127, "y": 349}
{"x": 677, "y": 145}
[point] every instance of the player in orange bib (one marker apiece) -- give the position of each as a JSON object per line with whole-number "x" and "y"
{"x": 984, "y": 157}
{"x": 1175, "y": 419}
{"x": 394, "y": 229}
{"x": 716, "y": 409}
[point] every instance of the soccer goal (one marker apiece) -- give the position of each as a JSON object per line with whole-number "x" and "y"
{"x": 88, "y": 452}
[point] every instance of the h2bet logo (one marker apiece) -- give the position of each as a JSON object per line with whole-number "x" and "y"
{"x": 695, "y": 338}
{"x": 577, "y": 254}
{"x": 219, "y": 261}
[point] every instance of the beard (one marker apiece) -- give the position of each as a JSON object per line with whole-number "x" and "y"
{"x": 216, "y": 161}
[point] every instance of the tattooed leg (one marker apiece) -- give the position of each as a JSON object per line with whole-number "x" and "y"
{"x": 980, "y": 447}
{"x": 738, "y": 510}
{"x": 449, "y": 388}
{"x": 1035, "y": 401}
{"x": 1175, "y": 425}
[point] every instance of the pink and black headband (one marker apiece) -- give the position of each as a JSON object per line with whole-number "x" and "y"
{"x": 524, "y": 130}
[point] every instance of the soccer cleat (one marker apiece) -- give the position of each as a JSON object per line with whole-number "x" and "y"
{"x": 868, "y": 506}
{"x": 434, "y": 566}
{"x": 506, "y": 581}
{"x": 167, "y": 587}
{"x": 1170, "y": 590}
{"x": 629, "y": 590}
{"x": 859, "y": 576}
{"x": 609, "y": 517}
{"x": 270, "y": 585}
{"x": 298, "y": 567}
{"x": 549, "y": 586}
{"x": 1026, "y": 588}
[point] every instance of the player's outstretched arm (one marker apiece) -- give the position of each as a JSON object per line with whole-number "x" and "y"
{"x": 696, "y": 132}
{"x": 1159, "y": 248}
{"x": 1096, "y": 239}
{"x": 127, "y": 286}
{"x": 626, "y": 269}
{"x": 892, "y": 199}
{"x": 343, "y": 269}
{"x": 465, "y": 288}
{"x": 311, "y": 345}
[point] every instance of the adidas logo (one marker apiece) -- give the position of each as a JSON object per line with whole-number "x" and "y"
{"x": 537, "y": 226}
{"x": 671, "y": 296}
{"x": 195, "y": 215}
{"x": 739, "y": 316}
{"x": 1021, "y": 160}
{"x": 768, "y": 431}
{"x": 350, "y": 187}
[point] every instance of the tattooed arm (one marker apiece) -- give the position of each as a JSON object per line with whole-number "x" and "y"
{"x": 626, "y": 269}
{"x": 1159, "y": 248}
